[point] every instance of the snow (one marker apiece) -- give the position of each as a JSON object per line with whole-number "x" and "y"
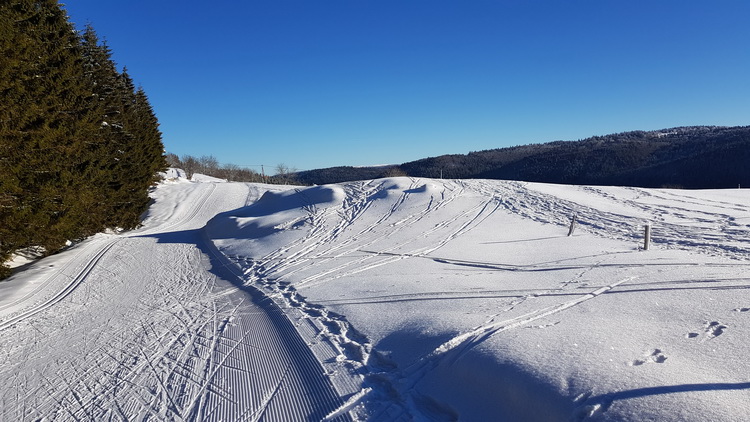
{"x": 202, "y": 178}
{"x": 25, "y": 256}
{"x": 174, "y": 175}
{"x": 390, "y": 299}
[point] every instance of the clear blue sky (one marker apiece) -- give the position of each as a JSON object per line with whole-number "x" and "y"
{"x": 361, "y": 82}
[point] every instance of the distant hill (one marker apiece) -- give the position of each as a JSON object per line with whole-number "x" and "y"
{"x": 695, "y": 157}
{"x": 344, "y": 174}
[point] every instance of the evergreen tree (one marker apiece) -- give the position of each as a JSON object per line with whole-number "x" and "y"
{"x": 138, "y": 154}
{"x": 79, "y": 146}
{"x": 112, "y": 139}
{"x": 45, "y": 121}
{"x": 142, "y": 156}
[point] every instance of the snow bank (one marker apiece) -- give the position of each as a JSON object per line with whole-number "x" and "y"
{"x": 202, "y": 178}
{"x": 277, "y": 218}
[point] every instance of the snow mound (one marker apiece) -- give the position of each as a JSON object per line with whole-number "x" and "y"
{"x": 276, "y": 218}
{"x": 275, "y": 202}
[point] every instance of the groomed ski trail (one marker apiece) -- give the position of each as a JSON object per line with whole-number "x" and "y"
{"x": 152, "y": 326}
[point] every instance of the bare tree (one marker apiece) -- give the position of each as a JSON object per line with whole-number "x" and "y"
{"x": 209, "y": 165}
{"x": 284, "y": 174}
{"x": 190, "y": 164}
{"x": 395, "y": 172}
{"x": 282, "y": 169}
{"x": 229, "y": 172}
{"x": 173, "y": 160}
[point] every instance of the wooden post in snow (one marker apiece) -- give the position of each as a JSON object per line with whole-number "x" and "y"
{"x": 647, "y": 236}
{"x": 572, "y": 225}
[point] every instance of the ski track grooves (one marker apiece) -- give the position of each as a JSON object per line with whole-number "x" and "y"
{"x": 673, "y": 227}
{"x": 74, "y": 282}
{"x": 302, "y": 371}
{"x": 87, "y": 268}
{"x": 202, "y": 353}
{"x": 461, "y": 343}
{"x": 281, "y": 265}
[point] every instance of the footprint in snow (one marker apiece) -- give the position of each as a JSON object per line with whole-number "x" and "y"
{"x": 711, "y": 330}
{"x": 741, "y": 309}
{"x": 714, "y": 329}
{"x": 654, "y": 356}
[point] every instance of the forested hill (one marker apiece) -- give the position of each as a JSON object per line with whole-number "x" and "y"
{"x": 686, "y": 157}
{"x": 79, "y": 144}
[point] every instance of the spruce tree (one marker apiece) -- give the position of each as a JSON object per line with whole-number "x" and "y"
{"x": 79, "y": 146}
{"x": 12, "y": 49}
{"x": 45, "y": 120}
{"x": 111, "y": 138}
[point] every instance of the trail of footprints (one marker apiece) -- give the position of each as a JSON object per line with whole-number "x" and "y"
{"x": 711, "y": 330}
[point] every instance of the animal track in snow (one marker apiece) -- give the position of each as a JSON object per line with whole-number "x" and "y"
{"x": 741, "y": 309}
{"x": 654, "y": 356}
{"x": 711, "y": 330}
{"x": 714, "y": 329}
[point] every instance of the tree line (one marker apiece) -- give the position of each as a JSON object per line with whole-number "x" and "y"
{"x": 79, "y": 143}
{"x": 210, "y": 166}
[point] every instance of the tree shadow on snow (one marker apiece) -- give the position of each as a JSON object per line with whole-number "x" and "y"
{"x": 606, "y": 400}
{"x": 191, "y": 237}
{"x": 682, "y": 388}
{"x": 522, "y": 240}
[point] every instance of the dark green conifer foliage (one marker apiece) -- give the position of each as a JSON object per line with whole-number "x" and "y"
{"x": 138, "y": 156}
{"x": 111, "y": 137}
{"x": 44, "y": 121}
{"x": 69, "y": 123}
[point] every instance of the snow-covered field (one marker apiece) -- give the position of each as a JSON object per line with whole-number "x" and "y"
{"x": 392, "y": 299}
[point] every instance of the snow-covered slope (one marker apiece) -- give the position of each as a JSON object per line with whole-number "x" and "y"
{"x": 151, "y": 326}
{"x": 467, "y": 299}
{"x": 392, "y": 299}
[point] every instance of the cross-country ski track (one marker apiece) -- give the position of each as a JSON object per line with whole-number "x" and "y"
{"x": 205, "y": 352}
{"x": 390, "y": 300}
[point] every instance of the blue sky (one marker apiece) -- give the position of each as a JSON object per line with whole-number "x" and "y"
{"x": 358, "y": 82}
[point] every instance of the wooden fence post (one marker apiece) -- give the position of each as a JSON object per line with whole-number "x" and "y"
{"x": 647, "y": 236}
{"x": 572, "y": 225}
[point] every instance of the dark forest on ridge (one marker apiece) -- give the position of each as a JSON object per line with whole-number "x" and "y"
{"x": 694, "y": 157}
